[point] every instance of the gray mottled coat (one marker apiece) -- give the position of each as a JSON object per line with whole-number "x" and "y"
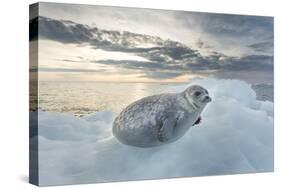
{"x": 155, "y": 120}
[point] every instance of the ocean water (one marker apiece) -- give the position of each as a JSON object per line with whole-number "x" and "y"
{"x": 83, "y": 98}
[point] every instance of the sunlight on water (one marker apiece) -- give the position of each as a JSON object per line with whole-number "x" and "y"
{"x": 83, "y": 98}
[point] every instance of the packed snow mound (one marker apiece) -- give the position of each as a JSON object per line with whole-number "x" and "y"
{"x": 235, "y": 136}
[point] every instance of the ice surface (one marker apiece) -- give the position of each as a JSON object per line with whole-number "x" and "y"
{"x": 235, "y": 136}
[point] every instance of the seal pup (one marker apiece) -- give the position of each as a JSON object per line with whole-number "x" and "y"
{"x": 160, "y": 119}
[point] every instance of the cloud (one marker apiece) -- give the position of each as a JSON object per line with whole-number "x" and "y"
{"x": 266, "y": 46}
{"x": 239, "y": 140}
{"x": 199, "y": 63}
{"x": 251, "y": 62}
{"x": 161, "y": 75}
{"x": 248, "y": 76}
{"x": 225, "y": 33}
{"x": 229, "y": 25}
{"x": 162, "y": 54}
{"x": 201, "y": 44}
{"x": 66, "y": 32}
{"x": 238, "y": 25}
{"x": 137, "y": 65}
{"x": 228, "y": 34}
{"x": 48, "y": 69}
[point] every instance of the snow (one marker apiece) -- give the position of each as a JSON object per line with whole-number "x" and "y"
{"x": 235, "y": 136}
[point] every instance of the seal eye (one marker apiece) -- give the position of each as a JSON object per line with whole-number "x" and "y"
{"x": 197, "y": 93}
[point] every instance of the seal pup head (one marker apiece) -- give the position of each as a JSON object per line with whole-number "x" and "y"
{"x": 197, "y": 96}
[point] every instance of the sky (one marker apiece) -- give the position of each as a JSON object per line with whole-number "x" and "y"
{"x": 101, "y": 43}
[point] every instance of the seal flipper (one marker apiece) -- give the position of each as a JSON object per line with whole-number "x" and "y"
{"x": 166, "y": 130}
{"x": 197, "y": 121}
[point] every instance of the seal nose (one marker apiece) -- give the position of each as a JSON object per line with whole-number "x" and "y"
{"x": 207, "y": 99}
